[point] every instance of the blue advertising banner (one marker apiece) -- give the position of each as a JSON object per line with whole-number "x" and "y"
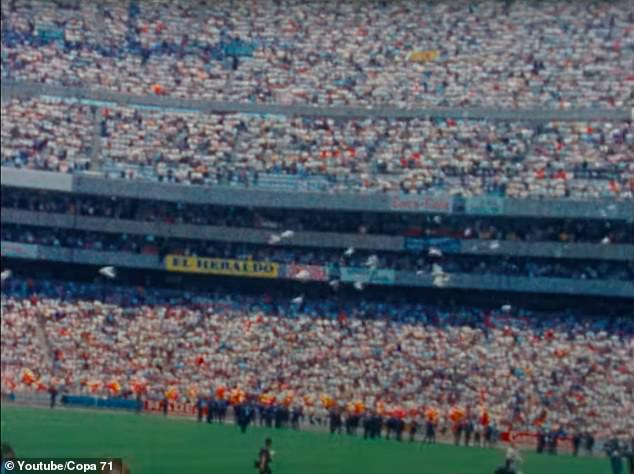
{"x": 446, "y": 244}
{"x": 368, "y": 275}
{"x": 19, "y": 250}
{"x": 91, "y": 402}
{"x": 484, "y": 205}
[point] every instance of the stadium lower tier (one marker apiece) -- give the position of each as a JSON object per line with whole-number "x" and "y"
{"x": 517, "y": 368}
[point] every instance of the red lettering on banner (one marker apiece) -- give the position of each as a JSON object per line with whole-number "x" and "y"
{"x": 422, "y": 203}
{"x": 152, "y": 405}
{"x": 315, "y": 272}
{"x": 528, "y": 438}
{"x": 173, "y": 408}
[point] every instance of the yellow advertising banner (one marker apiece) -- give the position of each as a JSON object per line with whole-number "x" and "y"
{"x": 221, "y": 266}
{"x": 423, "y": 56}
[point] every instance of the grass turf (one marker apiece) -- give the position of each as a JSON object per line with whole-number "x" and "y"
{"x": 155, "y": 445}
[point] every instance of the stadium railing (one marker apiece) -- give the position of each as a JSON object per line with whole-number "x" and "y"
{"x": 582, "y": 250}
{"x": 28, "y": 89}
{"x": 436, "y": 203}
{"x": 612, "y": 288}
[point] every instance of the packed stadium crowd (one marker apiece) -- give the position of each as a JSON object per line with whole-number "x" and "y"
{"x": 596, "y": 231}
{"x": 424, "y": 264}
{"x": 476, "y": 157}
{"x": 468, "y": 157}
{"x": 42, "y": 135}
{"x": 523, "y": 369}
{"x": 448, "y": 364}
{"x": 406, "y": 54}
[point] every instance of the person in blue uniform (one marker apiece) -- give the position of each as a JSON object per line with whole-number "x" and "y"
{"x": 165, "y": 405}
{"x": 335, "y": 421}
{"x": 541, "y": 440}
{"x": 200, "y": 408}
{"x": 296, "y": 415}
{"x": 469, "y": 429}
{"x": 53, "y": 394}
{"x": 244, "y": 415}
{"x": 613, "y": 450}
{"x": 430, "y": 432}
{"x": 576, "y": 443}
{"x": 139, "y": 403}
{"x": 413, "y": 428}
{"x": 210, "y": 410}
{"x": 222, "y": 406}
{"x": 367, "y": 426}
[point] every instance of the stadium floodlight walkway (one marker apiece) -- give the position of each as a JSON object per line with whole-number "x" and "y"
{"x": 11, "y": 88}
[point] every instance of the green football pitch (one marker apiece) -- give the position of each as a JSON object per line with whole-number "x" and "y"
{"x": 155, "y": 445}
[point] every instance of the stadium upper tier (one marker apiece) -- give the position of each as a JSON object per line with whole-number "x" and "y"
{"x": 523, "y": 368}
{"x": 404, "y": 54}
{"x": 469, "y": 157}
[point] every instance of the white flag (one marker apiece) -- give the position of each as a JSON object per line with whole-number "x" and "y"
{"x": 303, "y": 275}
{"x": 274, "y": 239}
{"x": 437, "y": 270}
{"x": 372, "y": 261}
{"x": 435, "y": 252}
{"x": 108, "y": 272}
{"x": 441, "y": 280}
